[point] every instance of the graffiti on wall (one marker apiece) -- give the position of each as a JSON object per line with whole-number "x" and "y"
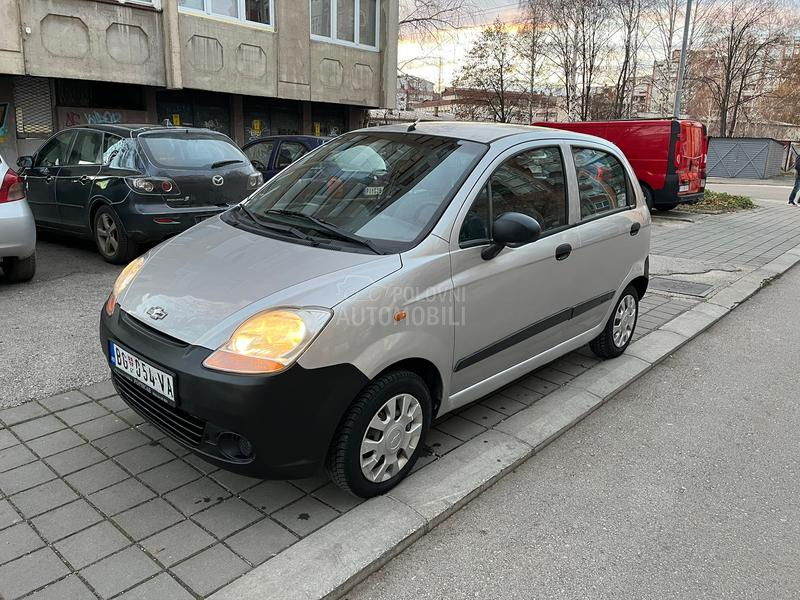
{"x": 4, "y": 110}
{"x": 69, "y": 117}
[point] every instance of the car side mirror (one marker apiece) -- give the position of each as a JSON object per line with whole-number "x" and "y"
{"x": 511, "y": 229}
{"x": 25, "y": 162}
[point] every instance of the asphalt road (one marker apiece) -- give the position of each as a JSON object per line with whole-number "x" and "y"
{"x": 48, "y": 327}
{"x": 683, "y": 486}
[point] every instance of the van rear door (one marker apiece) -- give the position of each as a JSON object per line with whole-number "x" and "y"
{"x": 690, "y": 158}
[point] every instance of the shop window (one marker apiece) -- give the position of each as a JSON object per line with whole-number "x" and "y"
{"x": 253, "y": 11}
{"x": 356, "y": 21}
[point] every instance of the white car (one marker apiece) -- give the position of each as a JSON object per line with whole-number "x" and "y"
{"x": 17, "y": 228}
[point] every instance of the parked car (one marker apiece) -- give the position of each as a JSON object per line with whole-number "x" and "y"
{"x": 393, "y": 276}
{"x": 270, "y": 155}
{"x": 126, "y": 185}
{"x": 668, "y": 155}
{"x": 17, "y": 229}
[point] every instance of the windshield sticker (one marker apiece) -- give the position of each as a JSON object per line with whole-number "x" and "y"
{"x": 373, "y": 190}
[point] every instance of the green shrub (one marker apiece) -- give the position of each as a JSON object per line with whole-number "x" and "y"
{"x": 720, "y": 202}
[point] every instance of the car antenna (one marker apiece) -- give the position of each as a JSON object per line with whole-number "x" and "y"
{"x": 413, "y": 126}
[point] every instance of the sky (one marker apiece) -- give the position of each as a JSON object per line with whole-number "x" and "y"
{"x": 437, "y": 59}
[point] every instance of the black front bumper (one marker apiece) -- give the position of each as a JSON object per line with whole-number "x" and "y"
{"x": 289, "y": 418}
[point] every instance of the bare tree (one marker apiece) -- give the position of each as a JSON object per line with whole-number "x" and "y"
{"x": 429, "y": 17}
{"x": 491, "y": 68}
{"x": 577, "y": 44}
{"x": 528, "y": 44}
{"x": 629, "y": 15}
{"x": 739, "y": 62}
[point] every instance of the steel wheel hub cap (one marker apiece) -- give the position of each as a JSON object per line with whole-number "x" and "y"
{"x": 624, "y": 321}
{"x": 391, "y": 438}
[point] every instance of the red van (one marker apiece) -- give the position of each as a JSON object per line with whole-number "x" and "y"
{"x": 668, "y": 155}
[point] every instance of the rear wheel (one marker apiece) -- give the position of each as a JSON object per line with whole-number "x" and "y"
{"x": 18, "y": 270}
{"x": 112, "y": 242}
{"x": 618, "y": 332}
{"x": 381, "y": 435}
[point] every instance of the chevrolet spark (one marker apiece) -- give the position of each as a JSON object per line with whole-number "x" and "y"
{"x": 387, "y": 278}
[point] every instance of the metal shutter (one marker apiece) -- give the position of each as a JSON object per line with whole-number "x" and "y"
{"x": 33, "y": 105}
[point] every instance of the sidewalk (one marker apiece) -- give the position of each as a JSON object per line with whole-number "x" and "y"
{"x": 102, "y": 504}
{"x": 683, "y": 486}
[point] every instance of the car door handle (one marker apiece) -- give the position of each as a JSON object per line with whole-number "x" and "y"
{"x": 635, "y": 228}
{"x": 563, "y": 251}
{"x": 84, "y": 179}
{"x": 49, "y": 178}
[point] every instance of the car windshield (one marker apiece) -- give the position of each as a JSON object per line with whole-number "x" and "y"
{"x": 386, "y": 188}
{"x": 190, "y": 150}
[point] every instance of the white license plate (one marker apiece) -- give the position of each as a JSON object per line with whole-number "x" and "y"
{"x": 153, "y": 379}
{"x": 683, "y": 188}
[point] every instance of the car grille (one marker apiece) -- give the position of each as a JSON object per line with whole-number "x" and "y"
{"x": 174, "y": 422}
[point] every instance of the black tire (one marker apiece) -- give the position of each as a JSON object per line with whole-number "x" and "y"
{"x": 648, "y": 196}
{"x": 666, "y": 207}
{"x": 110, "y": 237}
{"x": 344, "y": 457}
{"x": 17, "y": 270}
{"x": 604, "y": 345}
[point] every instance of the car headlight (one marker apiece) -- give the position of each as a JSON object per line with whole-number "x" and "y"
{"x": 124, "y": 279}
{"x": 269, "y": 341}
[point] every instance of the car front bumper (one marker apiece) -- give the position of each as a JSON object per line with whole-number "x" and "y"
{"x": 288, "y": 418}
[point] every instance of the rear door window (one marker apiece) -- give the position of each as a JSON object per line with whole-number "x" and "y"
{"x": 87, "y": 149}
{"x": 602, "y": 184}
{"x": 190, "y": 150}
{"x": 288, "y": 153}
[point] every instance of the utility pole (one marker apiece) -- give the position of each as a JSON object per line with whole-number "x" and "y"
{"x": 682, "y": 67}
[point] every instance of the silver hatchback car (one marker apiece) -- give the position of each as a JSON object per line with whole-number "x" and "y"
{"x": 389, "y": 277}
{"x": 17, "y": 228}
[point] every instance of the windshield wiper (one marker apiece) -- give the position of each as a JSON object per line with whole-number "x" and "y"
{"x": 328, "y": 228}
{"x": 276, "y": 226}
{"x": 222, "y": 163}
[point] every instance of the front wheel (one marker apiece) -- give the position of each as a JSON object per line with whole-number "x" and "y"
{"x": 618, "y": 332}
{"x": 381, "y": 436}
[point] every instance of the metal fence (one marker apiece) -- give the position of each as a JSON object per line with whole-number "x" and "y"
{"x": 746, "y": 158}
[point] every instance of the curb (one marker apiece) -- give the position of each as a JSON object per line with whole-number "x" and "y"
{"x": 332, "y": 560}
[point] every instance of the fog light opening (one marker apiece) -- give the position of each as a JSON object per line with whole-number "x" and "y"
{"x": 234, "y": 446}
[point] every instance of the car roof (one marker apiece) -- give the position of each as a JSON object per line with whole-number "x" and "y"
{"x": 135, "y": 129}
{"x": 485, "y": 133}
{"x": 295, "y": 137}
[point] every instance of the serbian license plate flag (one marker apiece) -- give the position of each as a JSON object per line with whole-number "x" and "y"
{"x": 146, "y": 374}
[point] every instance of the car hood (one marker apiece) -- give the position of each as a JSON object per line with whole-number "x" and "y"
{"x": 214, "y": 276}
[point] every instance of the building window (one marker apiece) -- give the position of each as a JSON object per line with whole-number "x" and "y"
{"x": 252, "y": 11}
{"x": 349, "y": 22}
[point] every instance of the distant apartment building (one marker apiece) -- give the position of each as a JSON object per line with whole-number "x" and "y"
{"x": 412, "y": 90}
{"x": 247, "y": 68}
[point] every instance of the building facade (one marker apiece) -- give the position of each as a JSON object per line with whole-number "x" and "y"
{"x": 247, "y": 68}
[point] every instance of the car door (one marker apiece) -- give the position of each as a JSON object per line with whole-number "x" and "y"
{"x": 41, "y": 177}
{"x": 76, "y": 178}
{"x": 260, "y": 155}
{"x": 609, "y": 230}
{"x": 516, "y": 305}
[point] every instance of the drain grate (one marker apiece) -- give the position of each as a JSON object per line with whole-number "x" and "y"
{"x": 678, "y": 286}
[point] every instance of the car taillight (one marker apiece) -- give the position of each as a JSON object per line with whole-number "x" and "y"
{"x": 12, "y": 188}
{"x": 152, "y": 185}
